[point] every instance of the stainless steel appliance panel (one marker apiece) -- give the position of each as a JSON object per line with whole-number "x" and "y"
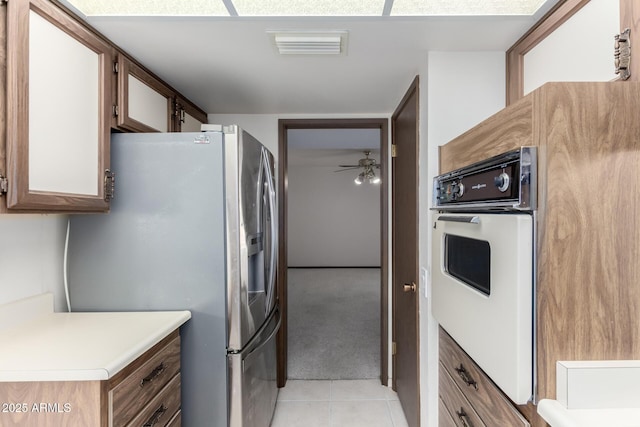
{"x": 253, "y": 372}
{"x": 162, "y": 247}
{"x": 251, "y": 235}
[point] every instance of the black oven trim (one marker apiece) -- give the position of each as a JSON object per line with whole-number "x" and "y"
{"x": 522, "y": 197}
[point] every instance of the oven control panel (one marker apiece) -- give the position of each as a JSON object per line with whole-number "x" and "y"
{"x": 486, "y": 185}
{"x": 505, "y": 181}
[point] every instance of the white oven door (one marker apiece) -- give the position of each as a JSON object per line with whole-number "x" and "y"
{"x": 482, "y": 295}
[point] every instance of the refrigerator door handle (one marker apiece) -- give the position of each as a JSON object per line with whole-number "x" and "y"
{"x": 273, "y": 234}
{"x": 265, "y": 341}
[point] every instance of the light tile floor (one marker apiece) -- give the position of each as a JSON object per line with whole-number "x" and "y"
{"x": 333, "y": 403}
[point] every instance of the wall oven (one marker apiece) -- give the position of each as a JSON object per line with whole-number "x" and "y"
{"x": 483, "y": 265}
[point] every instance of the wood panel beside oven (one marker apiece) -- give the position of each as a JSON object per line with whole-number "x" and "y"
{"x": 588, "y": 222}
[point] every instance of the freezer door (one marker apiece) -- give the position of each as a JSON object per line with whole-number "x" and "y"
{"x": 162, "y": 248}
{"x": 253, "y": 390}
{"x": 251, "y": 234}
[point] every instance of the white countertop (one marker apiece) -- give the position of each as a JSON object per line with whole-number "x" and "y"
{"x": 557, "y": 415}
{"x": 80, "y": 346}
{"x": 594, "y": 393}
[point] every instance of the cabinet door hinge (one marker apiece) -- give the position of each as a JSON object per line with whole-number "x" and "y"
{"x": 394, "y": 150}
{"x": 116, "y": 111}
{"x": 116, "y": 68}
{"x": 109, "y": 185}
{"x": 4, "y": 185}
{"x": 622, "y": 54}
{"x": 393, "y": 349}
{"x": 178, "y": 112}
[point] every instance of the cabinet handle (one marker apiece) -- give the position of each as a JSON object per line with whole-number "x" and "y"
{"x": 464, "y": 418}
{"x": 156, "y": 416}
{"x": 153, "y": 375}
{"x": 464, "y": 375}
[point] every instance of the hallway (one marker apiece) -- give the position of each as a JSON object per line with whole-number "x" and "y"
{"x": 334, "y": 323}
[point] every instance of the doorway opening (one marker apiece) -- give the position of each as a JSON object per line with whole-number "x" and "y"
{"x": 316, "y": 204}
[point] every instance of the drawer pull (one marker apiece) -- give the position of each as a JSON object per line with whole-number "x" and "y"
{"x": 464, "y": 375}
{"x": 153, "y": 375}
{"x": 464, "y": 418}
{"x": 156, "y": 416}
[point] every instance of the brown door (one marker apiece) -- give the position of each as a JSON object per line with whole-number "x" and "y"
{"x": 406, "y": 370}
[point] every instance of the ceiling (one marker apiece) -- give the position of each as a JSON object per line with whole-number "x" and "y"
{"x": 228, "y": 65}
{"x": 307, "y": 7}
{"x": 331, "y": 147}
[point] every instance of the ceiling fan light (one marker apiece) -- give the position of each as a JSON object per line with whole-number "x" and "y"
{"x": 359, "y": 179}
{"x": 374, "y": 180}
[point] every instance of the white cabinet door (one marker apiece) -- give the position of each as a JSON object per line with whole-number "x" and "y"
{"x": 144, "y": 102}
{"x": 58, "y": 111}
{"x": 580, "y": 50}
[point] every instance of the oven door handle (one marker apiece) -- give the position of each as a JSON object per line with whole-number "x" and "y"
{"x": 465, "y": 219}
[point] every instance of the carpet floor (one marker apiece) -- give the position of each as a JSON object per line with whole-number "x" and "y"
{"x": 334, "y": 323}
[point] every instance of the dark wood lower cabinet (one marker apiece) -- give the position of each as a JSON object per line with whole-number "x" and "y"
{"x": 144, "y": 393}
{"x": 467, "y": 396}
{"x": 444, "y": 417}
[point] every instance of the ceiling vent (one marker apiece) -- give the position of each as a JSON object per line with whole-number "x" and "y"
{"x": 310, "y": 43}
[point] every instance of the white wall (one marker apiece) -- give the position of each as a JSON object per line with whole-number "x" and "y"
{"x": 581, "y": 49}
{"x": 31, "y": 257}
{"x": 265, "y": 126}
{"x": 332, "y": 222}
{"x": 457, "y": 91}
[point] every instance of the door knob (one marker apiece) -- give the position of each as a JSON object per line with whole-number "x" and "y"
{"x": 409, "y": 287}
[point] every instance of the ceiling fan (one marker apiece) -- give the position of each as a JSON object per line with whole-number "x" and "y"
{"x": 367, "y": 165}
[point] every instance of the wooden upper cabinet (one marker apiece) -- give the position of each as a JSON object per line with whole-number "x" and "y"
{"x": 574, "y": 41}
{"x": 58, "y": 105}
{"x": 187, "y": 117}
{"x": 145, "y": 104}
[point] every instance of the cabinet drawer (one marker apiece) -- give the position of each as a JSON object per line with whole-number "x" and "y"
{"x": 444, "y": 417}
{"x": 161, "y": 408}
{"x": 176, "y": 421}
{"x": 487, "y": 399}
{"x": 133, "y": 393}
{"x": 459, "y": 407}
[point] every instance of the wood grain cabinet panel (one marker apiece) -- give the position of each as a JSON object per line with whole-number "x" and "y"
{"x": 67, "y": 87}
{"x": 485, "y": 397}
{"x": 444, "y": 417}
{"x": 52, "y": 404}
{"x": 187, "y": 116}
{"x": 136, "y": 391}
{"x": 92, "y": 403}
{"x": 160, "y": 410}
{"x": 176, "y": 421}
{"x": 508, "y": 128}
{"x": 145, "y": 104}
{"x": 57, "y": 111}
{"x": 456, "y": 404}
{"x": 588, "y": 227}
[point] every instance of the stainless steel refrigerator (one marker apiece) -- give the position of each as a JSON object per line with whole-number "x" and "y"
{"x": 192, "y": 226}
